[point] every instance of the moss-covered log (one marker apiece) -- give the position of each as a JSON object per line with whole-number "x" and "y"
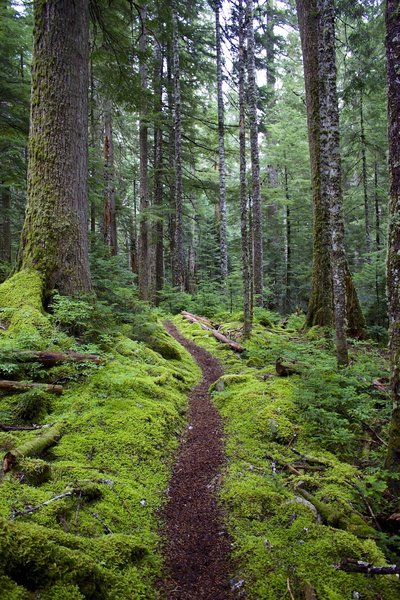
{"x": 24, "y": 386}
{"x": 48, "y": 358}
{"x": 217, "y": 334}
{"x": 32, "y": 448}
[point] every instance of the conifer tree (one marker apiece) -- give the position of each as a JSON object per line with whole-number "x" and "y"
{"x": 54, "y": 238}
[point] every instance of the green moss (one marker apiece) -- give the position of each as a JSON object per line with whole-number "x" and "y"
{"x": 21, "y": 309}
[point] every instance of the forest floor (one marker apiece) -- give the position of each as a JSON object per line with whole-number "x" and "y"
{"x": 197, "y": 544}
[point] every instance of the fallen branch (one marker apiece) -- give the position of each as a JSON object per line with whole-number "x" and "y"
{"x": 48, "y": 358}
{"x": 23, "y": 386}
{"x": 32, "y": 448}
{"x": 358, "y": 566}
{"x": 378, "y": 437}
{"x": 106, "y": 528}
{"x": 31, "y": 509}
{"x": 217, "y": 334}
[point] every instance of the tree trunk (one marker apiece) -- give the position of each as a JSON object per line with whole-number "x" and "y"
{"x": 221, "y": 148}
{"x": 158, "y": 173}
{"x": 288, "y": 302}
{"x": 178, "y": 273}
{"x": 368, "y": 243}
{"x": 320, "y": 307}
{"x": 244, "y": 213}
{"x": 320, "y": 303}
{"x": 255, "y": 160}
{"x": 24, "y": 386}
{"x": 109, "y": 211}
{"x": 144, "y": 262}
{"x": 331, "y": 169}
{"x": 393, "y": 258}
{"x": 54, "y": 237}
{"x": 5, "y": 227}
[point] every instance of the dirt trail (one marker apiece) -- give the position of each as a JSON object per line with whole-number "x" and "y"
{"x": 197, "y": 546}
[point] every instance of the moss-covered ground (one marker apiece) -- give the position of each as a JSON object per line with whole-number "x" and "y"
{"x": 304, "y": 461}
{"x": 121, "y": 422}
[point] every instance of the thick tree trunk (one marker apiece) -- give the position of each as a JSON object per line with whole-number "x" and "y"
{"x": 178, "y": 273}
{"x": 158, "y": 173}
{"x": 54, "y": 238}
{"x": 255, "y": 159}
{"x": 320, "y": 307}
{"x": 320, "y": 303}
{"x": 109, "y": 225}
{"x": 244, "y": 213}
{"x": 393, "y": 258}
{"x": 48, "y": 358}
{"x": 133, "y": 245}
{"x": 331, "y": 169}
{"x": 144, "y": 262}
{"x": 221, "y": 149}
{"x": 5, "y": 225}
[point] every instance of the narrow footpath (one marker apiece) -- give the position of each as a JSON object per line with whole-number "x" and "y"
{"x": 197, "y": 546}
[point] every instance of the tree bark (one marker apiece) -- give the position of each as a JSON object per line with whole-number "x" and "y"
{"x": 54, "y": 237}
{"x": 109, "y": 211}
{"x": 144, "y": 261}
{"x": 331, "y": 170}
{"x": 158, "y": 173}
{"x": 255, "y": 159}
{"x": 288, "y": 300}
{"x": 178, "y": 273}
{"x": 5, "y": 227}
{"x": 320, "y": 307}
{"x": 368, "y": 243}
{"x": 221, "y": 149}
{"x": 393, "y": 258}
{"x": 244, "y": 213}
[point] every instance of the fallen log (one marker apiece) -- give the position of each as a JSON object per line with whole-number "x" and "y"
{"x": 24, "y": 386}
{"x": 33, "y": 427}
{"x": 49, "y": 359}
{"x": 32, "y": 448}
{"x": 196, "y": 318}
{"x": 217, "y": 334}
{"x": 358, "y": 566}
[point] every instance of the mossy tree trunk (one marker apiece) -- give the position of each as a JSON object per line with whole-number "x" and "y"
{"x": 109, "y": 225}
{"x": 331, "y": 187}
{"x": 320, "y": 306}
{"x": 54, "y": 238}
{"x": 5, "y": 225}
{"x": 255, "y": 158}
{"x": 144, "y": 250}
{"x": 221, "y": 149}
{"x": 178, "y": 272}
{"x": 158, "y": 171}
{"x": 244, "y": 211}
{"x": 393, "y": 260}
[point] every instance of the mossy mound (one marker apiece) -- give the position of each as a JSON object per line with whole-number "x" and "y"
{"x": 291, "y": 525}
{"x": 121, "y": 426}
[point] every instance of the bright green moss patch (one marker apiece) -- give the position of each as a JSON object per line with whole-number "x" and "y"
{"x": 21, "y": 312}
{"x": 293, "y": 486}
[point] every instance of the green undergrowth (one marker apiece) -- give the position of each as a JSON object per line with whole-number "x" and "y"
{"x": 290, "y": 529}
{"x": 120, "y": 423}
